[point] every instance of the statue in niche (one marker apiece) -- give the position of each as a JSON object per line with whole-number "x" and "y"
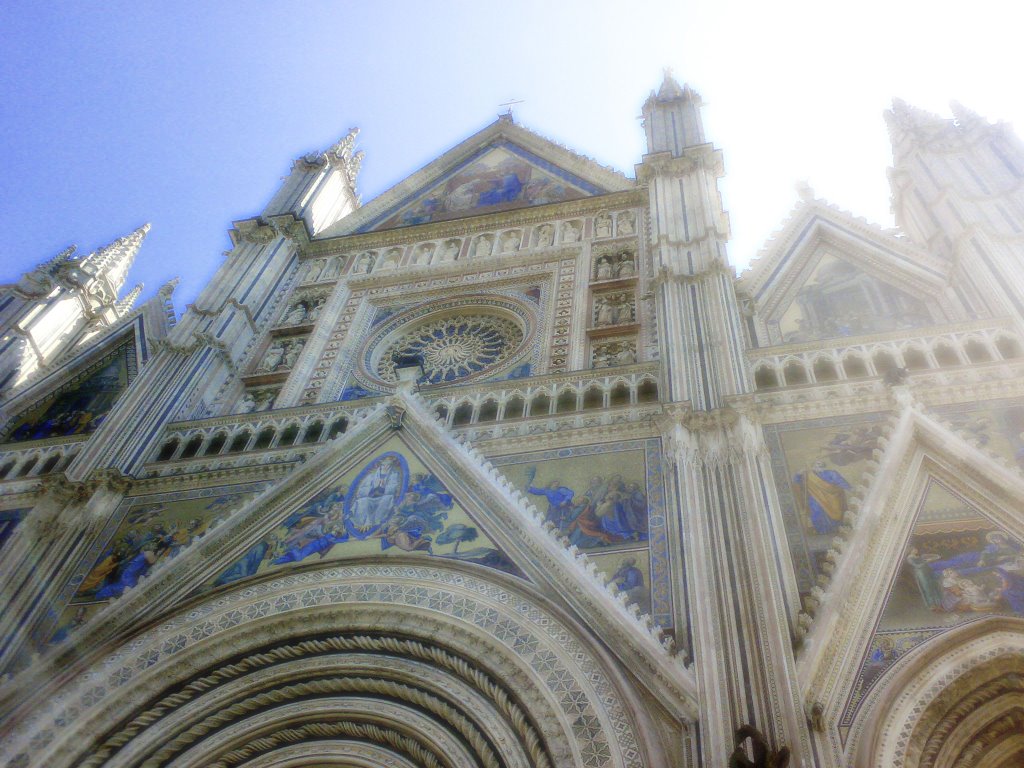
{"x": 626, "y": 354}
{"x": 545, "y": 236}
{"x": 314, "y": 270}
{"x": 291, "y": 354}
{"x": 614, "y": 353}
{"x": 391, "y": 259}
{"x": 247, "y": 404}
{"x": 296, "y": 314}
{"x": 603, "y": 226}
{"x": 265, "y": 399}
{"x": 314, "y": 309}
{"x": 625, "y": 310}
{"x": 604, "y": 269}
{"x": 626, "y": 266}
{"x": 605, "y": 310}
{"x": 570, "y": 232}
{"x": 627, "y": 224}
{"x": 364, "y": 263}
{"x": 483, "y": 247}
{"x": 423, "y": 253}
{"x": 449, "y": 252}
{"x": 332, "y": 269}
{"x": 273, "y": 357}
{"x": 510, "y": 241}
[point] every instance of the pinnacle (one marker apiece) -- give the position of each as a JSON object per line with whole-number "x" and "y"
{"x": 670, "y": 88}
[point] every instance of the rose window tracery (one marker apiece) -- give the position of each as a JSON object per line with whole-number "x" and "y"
{"x": 454, "y": 347}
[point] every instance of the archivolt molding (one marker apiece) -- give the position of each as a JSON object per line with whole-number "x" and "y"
{"x": 919, "y": 448}
{"x": 564, "y": 688}
{"x": 932, "y": 689}
{"x": 337, "y": 752}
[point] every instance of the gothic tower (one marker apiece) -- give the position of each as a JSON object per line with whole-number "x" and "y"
{"x": 508, "y": 467}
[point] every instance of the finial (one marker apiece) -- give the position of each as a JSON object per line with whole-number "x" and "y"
{"x": 804, "y": 190}
{"x": 124, "y": 306}
{"x": 168, "y": 288}
{"x": 507, "y": 115}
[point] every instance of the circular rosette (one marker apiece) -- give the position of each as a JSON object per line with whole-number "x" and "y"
{"x": 475, "y": 338}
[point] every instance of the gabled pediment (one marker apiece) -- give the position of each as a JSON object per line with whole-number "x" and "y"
{"x": 938, "y": 543}
{"x": 88, "y": 379}
{"x": 829, "y": 275}
{"x": 501, "y": 168}
{"x": 396, "y": 484}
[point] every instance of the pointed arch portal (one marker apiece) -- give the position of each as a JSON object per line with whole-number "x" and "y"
{"x": 367, "y": 665}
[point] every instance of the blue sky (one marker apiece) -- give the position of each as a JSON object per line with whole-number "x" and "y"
{"x": 187, "y": 115}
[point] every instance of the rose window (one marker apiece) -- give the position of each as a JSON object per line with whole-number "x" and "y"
{"x": 454, "y": 347}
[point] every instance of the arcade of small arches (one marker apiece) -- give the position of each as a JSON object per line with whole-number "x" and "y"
{"x": 547, "y": 401}
{"x": 35, "y": 462}
{"x": 948, "y": 350}
{"x": 242, "y": 438}
{"x": 277, "y": 433}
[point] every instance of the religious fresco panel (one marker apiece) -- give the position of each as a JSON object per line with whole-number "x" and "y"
{"x": 79, "y": 406}
{"x": 144, "y": 531}
{"x": 996, "y": 426}
{"x": 817, "y": 464}
{"x": 839, "y": 299}
{"x": 608, "y": 500}
{"x": 500, "y": 177}
{"x": 391, "y": 504}
{"x": 956, "y": 566}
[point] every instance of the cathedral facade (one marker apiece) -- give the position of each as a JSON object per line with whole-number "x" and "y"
{"x": 507, "y": 467}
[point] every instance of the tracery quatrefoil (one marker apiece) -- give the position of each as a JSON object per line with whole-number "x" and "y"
{"x": 454, "y": 347}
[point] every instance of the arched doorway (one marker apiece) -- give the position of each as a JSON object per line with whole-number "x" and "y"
{"x": 365, "y": 664}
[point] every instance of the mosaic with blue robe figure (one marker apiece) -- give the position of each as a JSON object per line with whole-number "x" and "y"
{"x": 608, "y": 512}
{"x": 821, "y": 493}
{"x": 983, "y": 579}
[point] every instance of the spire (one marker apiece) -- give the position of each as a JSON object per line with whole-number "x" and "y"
{"x": 340, "y": 155}
{"x": 50, "y": 265}
{"x": 672, "y": 118}
{"x": 112, "y": 262}
{"x": 124, "y": 306}
{"x": 907, "y": 121}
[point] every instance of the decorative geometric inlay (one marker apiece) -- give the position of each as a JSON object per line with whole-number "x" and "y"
{"x": 458, "y": 339}
{"x": 455, "y": 347}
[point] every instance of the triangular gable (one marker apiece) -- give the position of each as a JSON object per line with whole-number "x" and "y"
{"x": 78, "y": 400}
{"x": 389, "y": 503}
{"x": 935, "y": 499}
{"x": 829, "y": 275}
{"x": 130, "y": 340}
{"x": 501, "y": 168}
{"x": 957, "y": 566}
{"x": 510, "y": 537}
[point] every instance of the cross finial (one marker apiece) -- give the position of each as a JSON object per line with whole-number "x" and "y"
{"x": 510, "y": 103}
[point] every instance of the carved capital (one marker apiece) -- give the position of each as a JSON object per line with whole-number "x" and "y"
{"x": 64, "y": 491}
{"x": 252, "y": 231}
{"x": 111, "y": 479}
{"x": 290, "y": 228}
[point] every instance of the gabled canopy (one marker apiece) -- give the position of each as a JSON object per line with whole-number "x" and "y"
{"x": 835, "y": 256}
{"x": 502, "y": 167}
